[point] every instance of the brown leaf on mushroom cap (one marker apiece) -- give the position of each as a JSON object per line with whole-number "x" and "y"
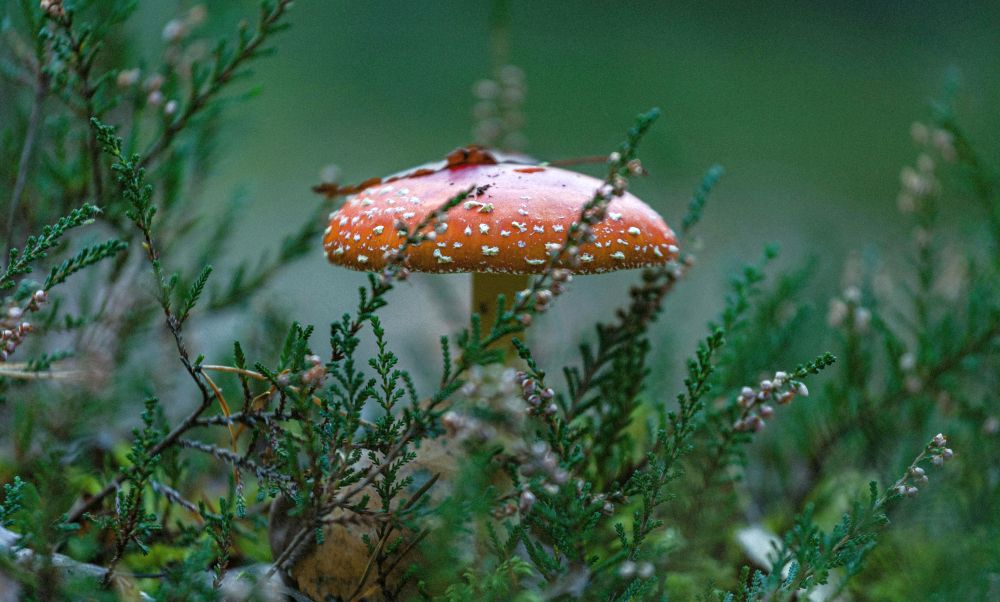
{"x": 516, "y": 217}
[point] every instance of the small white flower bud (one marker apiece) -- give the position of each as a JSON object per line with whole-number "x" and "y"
{"x": 527, "y": 501}
{"x": 627, "y": 569}
{"x": 174, "y": 31}
{"x": 920, "y": 133}
{"x": 837, "y": 313}
{"x": 862, "y": 319}
{"x": 127, "y": 78}
{"x": 645, "y": 570}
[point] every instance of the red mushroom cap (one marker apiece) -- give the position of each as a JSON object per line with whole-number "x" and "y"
{"x": 516, "y": 216}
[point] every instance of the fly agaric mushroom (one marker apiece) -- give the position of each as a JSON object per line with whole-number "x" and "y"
{"x": 517, "y": 215}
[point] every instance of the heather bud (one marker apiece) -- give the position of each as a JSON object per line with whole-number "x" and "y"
{"x": 526, "y": 502}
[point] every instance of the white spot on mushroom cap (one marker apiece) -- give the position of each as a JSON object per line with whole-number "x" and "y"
{"x": 615, "y": 216}
{"x": 362, "y": 259}
{"x": 484, "y": 229}
{"x": 634, "y": 231}
{"x": 520, "y": 226}
{"x": 618, "y": 255}
{"x": 538, "y": 229}
{"x": 468, "y": 230}
{"x": 378, "y": 229}
{"x": 586, "y": 257}
{"x": 441, "y": 258}
{"x": 490, "y": 251}
{"x": 558, "y": 228}
{"x": 534, "y": 261}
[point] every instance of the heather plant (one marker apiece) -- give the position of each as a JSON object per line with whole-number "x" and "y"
{"x": 773, "y": 473}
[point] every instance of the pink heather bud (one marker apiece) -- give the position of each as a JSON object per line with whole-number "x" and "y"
{"x": 543, "y": 296}
{"x": 547, "y": 394}
{"x": 747, "y": 393}
{"x": 561, "y": 275}
{"x": 127, "y": 78}
{"x": 6, "y": 334}
{"x": 802, "y": 390}
{"x": 780, "y": 378}
{"x": 917, "y": 471}
{"x": 170, "y": 108}
{"x": 939, "y": 440}
{"x": 14, "y": 313}
{"x": 911, "y": 491}
{"x": 786, "y": 398}
{"x": 608, "y": 508}
{"x": 766, "y": 385}
{"x": 40, "y": 296}
{"x": 549, "y": 462}
{"x": 524, "y": 319}
{"x": 757, "y": 423}
{"x": 25, "y": 327}
{"x": 534, "y": 400}
{"x": 560, "y": 476}
{"x": 3, "y": 355}
{"x": 947, "y": 454}
{"x": 526, "y": 502}
{"x": 155, "y": 98}
{"x": 551, "y": 409}
{"x": 528, "y": 386}
{"x": 766, "y": 411}
{"x": 739, "y": 425}
{"x": 11, "y": 347}
{"x": 937, "y": 460}
{"x": 451, "y": 422}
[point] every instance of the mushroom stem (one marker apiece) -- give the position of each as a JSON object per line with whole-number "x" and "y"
{"x": 486, "y": 288}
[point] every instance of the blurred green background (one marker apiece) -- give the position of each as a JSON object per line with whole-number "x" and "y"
{"x": 807, "y": 105}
